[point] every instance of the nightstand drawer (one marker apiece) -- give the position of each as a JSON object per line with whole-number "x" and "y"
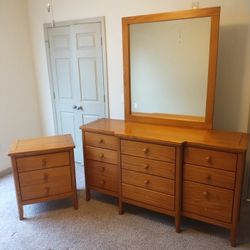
{"x": 102, "y": 175}
{"x": 100, "y": 154}
{"x": 148, "y": 197}
{"x": 209, "y": 176}
{"x": 210, "y": 158}
{"x": 102, "y": 141}
{"x": 147, "y": 166}
{"x": 150, "y": 182}
{"x": 42, "y": 161}
{"x": 148, "y": 150}
{"x": 43, "y": 183}
{"x": 44, "y": 176}
{"x": 207, "y": 201}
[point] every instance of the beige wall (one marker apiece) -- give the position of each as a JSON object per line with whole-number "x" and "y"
{"x": 18, "y": 93}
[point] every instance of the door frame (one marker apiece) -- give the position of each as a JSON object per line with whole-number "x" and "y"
{"x": 46, "y": 26}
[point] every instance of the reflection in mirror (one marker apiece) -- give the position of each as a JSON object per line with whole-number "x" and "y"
{"x": 169, "y": 63}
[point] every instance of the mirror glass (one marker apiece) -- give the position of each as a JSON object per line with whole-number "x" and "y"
{"x": 169, "y": 62}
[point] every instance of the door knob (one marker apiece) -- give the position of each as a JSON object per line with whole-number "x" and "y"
{"x": 74, "y": 107}
{"x": 79, "y": 108}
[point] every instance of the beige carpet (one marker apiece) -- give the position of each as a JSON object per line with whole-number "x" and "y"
{"x": 97, "y": 225}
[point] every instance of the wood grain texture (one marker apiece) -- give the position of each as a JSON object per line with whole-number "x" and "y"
{"x": 42, "y": 161}
{"x": 147, "y": 181}
{"x": 41, "y": 145}
{"x": 208, "y": 201}
{"x": 148, "y": 197}
{"x": 101, "y": 141}
{"x": 148, "y": 150}
{"x": 103, "y": 175}
{"x": 170, "y": 135}
{"x": 100, "y": 154}
{"x": 210, "y": 158}
{"x": 45, "y": 174}
{"x": 148, "y": 166}
{"x": 208, "y": 176}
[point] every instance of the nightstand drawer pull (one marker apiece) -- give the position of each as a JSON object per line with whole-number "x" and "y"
{"x": 44, "y": 163}
{"x": 46, "y": 177}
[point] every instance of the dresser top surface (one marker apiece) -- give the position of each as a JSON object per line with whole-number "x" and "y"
{"x": 40, "y": 144}
{"x": 234, "y": 141}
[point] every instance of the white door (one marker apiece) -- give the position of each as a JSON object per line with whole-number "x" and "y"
{"x": 77, "y": 75}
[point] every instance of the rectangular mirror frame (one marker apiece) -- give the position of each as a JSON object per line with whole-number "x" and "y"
{"x": 169, "y": 119}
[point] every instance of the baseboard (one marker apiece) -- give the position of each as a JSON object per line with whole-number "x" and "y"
{"x": 5, "y": 172}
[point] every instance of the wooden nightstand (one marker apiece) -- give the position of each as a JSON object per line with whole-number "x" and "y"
{"x": 43, "y": 170}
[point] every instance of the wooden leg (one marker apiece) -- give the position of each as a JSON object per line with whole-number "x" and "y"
{"x": 20, "y": 211}
{"x": 177, "y": 224}
{"x": 87, "y": 193}
{"x": 120, "y": 206}
{"x": 233, "y": 235}
{"x": 75, "y": 200}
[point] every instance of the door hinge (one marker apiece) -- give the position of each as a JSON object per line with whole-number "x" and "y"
{"x": 47, "y": 41}
{"x": 104, "y": 98}
{"x": 101, "y": 41}
{"x": 54, "y": 95}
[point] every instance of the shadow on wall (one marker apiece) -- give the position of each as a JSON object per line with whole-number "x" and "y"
{"x": 230, "y": 75}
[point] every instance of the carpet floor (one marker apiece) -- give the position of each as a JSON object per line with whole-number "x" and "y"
{"x": 97, "y": 225}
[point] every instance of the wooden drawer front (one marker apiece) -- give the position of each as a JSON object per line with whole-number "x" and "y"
{"x": 44, "y": 183}
{"x": 207, "y": 201}
{"x": 151, "y": 182}
{"x": 103, "y": 175}
{"x": 148, "y": 197}
{"x": 214, "y": 177}
{"x": 100, "y": 154}
{"x": 102, "y": 141}
{"x": 148, "y": 150}
{"x": 147, "y": 166}
{"x": 42, "y": 161}
{"x": 210, "y": 158}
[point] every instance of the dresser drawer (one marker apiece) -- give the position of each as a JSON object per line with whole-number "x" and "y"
{"x": 102, "y": 175}
{"x": 147, "y": 166}
{"x": 210, "y": 158}
{"x": 148, "y": 150}
{"x": 100, "y": 154}
{"x": 102, "y": 141}
{"x": 214, "y": 177}
{"x": 42, "y": 161}
{"x": 146, "y": 181}
{"x": 148, "y": 197}
{"x": 207, "y": 201}
{"x": 43, "y": 183}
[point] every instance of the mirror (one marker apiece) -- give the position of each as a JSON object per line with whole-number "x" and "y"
{"x": 169, "y": 67}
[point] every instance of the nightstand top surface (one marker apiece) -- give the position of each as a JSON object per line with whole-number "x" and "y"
{"x": 41, "y": 144}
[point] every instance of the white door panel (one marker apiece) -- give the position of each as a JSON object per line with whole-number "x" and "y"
{"x": 77, "y": 74}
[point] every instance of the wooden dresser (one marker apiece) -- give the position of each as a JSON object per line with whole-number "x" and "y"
{"x": 43, "y": 169}
{"x": 176, "y": 171}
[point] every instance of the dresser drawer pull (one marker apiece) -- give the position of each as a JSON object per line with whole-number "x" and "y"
{"x": 102, "y": 182}
{"x": 45, "y": 177}
{"x": 208, "y": 178}
{"x": 100, "y": 140}
{"x": 145, "y": 150}
{"x": 44, "y": 162}
{"x": 103, "y": 169}
{"x": 146, "y": 182}
{"x": 47, "y": 189}
{"x": 146, "y": 167}
{"x": 205, "y": 194}
{"x": 208, "y": 159}
{"x": 101, "y": 156}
